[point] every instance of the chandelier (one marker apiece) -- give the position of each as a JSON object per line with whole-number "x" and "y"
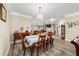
{"x": 40, "y": 16}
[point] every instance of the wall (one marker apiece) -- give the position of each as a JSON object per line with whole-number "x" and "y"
{"x": 61, "y": 22}
{"x": 17, "y": 21}
{"x": 4, "y": 35}
{"x": 72, "y": 32}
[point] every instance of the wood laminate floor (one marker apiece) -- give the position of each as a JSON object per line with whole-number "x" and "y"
{"x": 61, "y": 48}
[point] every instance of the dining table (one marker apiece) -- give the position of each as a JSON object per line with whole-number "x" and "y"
{"x": 32, "y": 39}
{"x": 35, "y": 38}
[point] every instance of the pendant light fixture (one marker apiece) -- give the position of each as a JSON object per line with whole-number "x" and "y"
{"x": 40, "y": 16}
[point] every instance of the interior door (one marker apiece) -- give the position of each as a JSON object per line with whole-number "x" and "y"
{"x": 62, "y": 31}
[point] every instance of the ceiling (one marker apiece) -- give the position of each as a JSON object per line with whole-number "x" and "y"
{"x": 49, "y": 10}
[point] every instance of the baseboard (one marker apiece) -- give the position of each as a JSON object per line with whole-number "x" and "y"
{"x": 10, "y": 45}
{"x": 7, "y": 50}
{"x": 67, "y": 40}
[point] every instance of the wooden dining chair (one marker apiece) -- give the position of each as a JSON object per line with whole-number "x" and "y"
{"x": 76, "y": 47}
{"x": 49, "y": 40}
{"x": 40, "y": 44}
{"x": 26, "y": 46}
{"x": 43, "y": 39}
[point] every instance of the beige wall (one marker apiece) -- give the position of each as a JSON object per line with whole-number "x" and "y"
{"x": 4, "y": 35}
{"x": 73, "y": 31}
{"x": 17, "y": 21}
{"x": 14, "y": 22}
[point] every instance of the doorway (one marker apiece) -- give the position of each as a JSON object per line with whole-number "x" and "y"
{"x": 63, "y": 32}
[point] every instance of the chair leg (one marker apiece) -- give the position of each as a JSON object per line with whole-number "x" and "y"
{"x": 44, "y": 49}
{"x": 46, "y": 46}
{"x": 31, "y": 53}
{"x": 31, "y": 50}
{"x": 24, "y": 52}
{"x": 37, "y": 51}
{"x": 52, "y": 43}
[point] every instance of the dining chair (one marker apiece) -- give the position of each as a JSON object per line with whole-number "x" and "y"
{"x": 26, "y": 46}
{"x": 50, "y": 40}
{"x": 76, "y": 45}
{"x": 43, "y": 39}
{"x": 40, "y": 44}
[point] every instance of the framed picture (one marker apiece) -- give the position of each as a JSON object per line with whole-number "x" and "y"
{"x": 3, "y": 13}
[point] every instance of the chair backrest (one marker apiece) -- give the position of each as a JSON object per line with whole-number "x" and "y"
{"x": 30, "y": 33}
{"x": 26, "y": 33}
{"x": 76, "y": 47}
{"x": 35, "y": 32}
{"x": 41, "y": 41}
{"x": 49, "y": 35}
{"x": 42, "y": 37}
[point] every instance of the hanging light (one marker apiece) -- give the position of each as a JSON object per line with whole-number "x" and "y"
{"x": 40, "y": 16}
